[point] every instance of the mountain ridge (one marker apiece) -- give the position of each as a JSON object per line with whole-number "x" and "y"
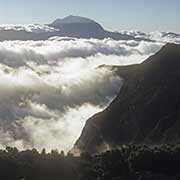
{"x": 146, "y": 110}
{"x": 70, "y": 26}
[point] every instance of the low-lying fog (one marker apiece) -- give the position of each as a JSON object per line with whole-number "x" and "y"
{"x": 48, "y": 89}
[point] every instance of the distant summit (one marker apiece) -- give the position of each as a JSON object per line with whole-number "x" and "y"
{"x": 76, "y": 26}
{"x": 70, "y": 26}
{"x": 82, "y": 27}
{"x": 73, "y": 19}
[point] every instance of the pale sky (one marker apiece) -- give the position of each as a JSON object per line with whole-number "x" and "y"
{"x": 146, "y": 15}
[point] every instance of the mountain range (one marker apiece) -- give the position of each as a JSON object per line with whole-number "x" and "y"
{"x": 146, "y": 110}
{"x": 70, "y": 26}
{"x": 79, "y": 27}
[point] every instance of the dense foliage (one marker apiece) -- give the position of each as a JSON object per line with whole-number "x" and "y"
{"x": 145, "y": 162}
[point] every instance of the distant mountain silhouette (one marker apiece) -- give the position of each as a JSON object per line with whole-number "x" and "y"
{"x": 70, "y": 26}
{"x": 81, "y": 27}
{"x": 147, "y": 109}
{"x": 73, "y": 19}
{"x": 76, "y": 26}
{"x": 171, "y": 35}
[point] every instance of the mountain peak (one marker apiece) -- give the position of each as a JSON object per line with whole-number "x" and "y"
{"x": 82, "y": 27}
{"x": 73, "y": 19}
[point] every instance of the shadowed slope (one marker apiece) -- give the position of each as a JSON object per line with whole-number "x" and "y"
{"x": 145, "y": 111}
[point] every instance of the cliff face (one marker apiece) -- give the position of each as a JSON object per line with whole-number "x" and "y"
{"x": 147, "y": 110}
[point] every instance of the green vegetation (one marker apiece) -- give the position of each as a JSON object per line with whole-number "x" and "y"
{"x": 146, "y": 162}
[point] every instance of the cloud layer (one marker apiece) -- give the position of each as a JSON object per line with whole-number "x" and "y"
{"x": 165, "y": 37}
{"x": 50, "y": 88}
{"x": 36, "y": 28}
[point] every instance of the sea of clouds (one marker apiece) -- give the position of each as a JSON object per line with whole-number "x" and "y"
{"x": 35, "y": 28}
{"x": 48, "y": 89}
{"x": 165, "y": 37}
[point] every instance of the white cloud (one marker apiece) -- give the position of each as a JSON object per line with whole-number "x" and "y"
{"x": 36, "y": 28}
{"x": 164, "y": 37}
{"x": 50, "y": 88}
{"x": 58, "y": 132}
{"x": 20, "y": 53}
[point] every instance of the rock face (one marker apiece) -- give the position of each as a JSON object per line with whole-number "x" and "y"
{"x": 147, "y": 110}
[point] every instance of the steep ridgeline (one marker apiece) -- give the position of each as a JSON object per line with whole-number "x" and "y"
{"x": 147, "y": 110}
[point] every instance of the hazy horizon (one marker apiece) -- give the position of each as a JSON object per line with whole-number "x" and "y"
{"x": 117, "y": 15}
